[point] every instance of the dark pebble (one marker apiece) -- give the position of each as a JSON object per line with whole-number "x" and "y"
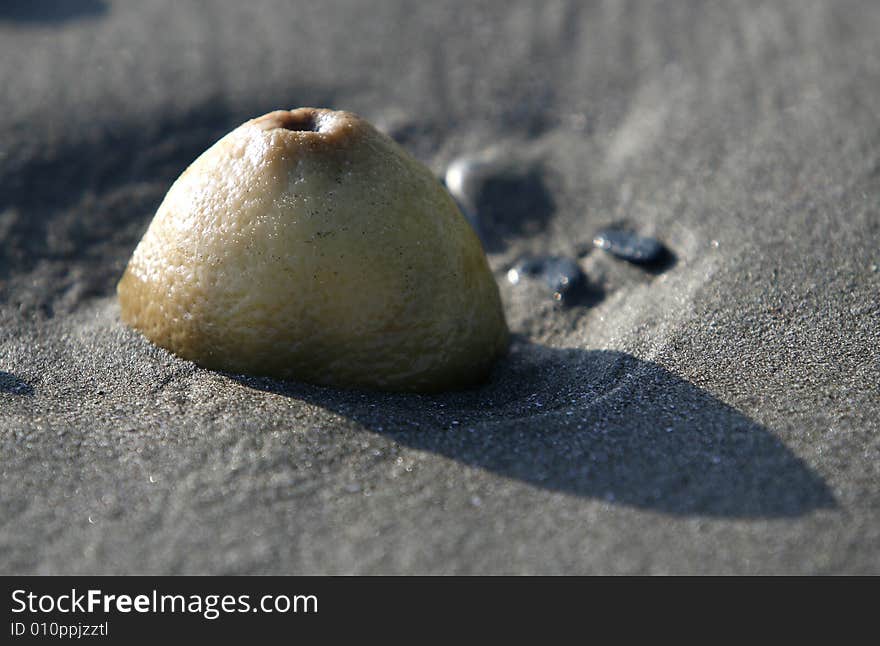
{"x": 630, "y": 246}
{"x": 563, "y": 276}
{"x": 501, "y": 199}
{"x": 12, "y": 385}
{"x": 463, "y": 178}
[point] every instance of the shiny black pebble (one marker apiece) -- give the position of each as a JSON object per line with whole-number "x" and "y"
{"x": 562, "y": 275}
{"x": 630, "y": 246}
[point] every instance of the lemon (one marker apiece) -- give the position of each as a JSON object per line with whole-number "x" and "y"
{"x": 305, "y": 244}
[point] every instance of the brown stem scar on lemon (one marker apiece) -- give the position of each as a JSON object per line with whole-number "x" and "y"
{"x": 307, "y": 245}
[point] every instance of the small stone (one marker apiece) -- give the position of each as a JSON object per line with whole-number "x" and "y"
{"x": 562, "y": 275}
{"x": 502, "y": 199}
{"x": 11, "y": 384}
{"x": 528, "y": 267}
{"x": 463, "y": 178}
{"x": 630, "y": 246}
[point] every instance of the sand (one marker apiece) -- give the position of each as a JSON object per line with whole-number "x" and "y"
{"x": 718, "y": 415}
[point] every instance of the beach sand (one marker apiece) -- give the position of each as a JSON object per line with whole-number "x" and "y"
{"x": 718, "y": 414}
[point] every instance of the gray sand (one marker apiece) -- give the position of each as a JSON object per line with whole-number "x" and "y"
{"x": 718, "y": 416}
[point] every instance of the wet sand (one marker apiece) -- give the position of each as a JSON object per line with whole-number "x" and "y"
{"x": 717, "y": 413}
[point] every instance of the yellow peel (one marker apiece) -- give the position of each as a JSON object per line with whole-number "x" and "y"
{"x": 305, "y": 244}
